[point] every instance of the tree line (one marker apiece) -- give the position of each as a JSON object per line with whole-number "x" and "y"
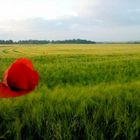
{"x": 72, "y": 41}
{"x": 6, "y": 41}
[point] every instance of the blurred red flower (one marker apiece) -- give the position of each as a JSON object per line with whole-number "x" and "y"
{"x": 19, "y": 79}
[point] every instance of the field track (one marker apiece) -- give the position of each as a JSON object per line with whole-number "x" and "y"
{"x": 41, "y": 50}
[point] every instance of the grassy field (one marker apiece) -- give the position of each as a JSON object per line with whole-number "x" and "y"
{"x": 86, "y": 92}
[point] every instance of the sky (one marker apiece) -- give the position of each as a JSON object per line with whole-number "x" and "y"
{"x": 97, "y": 20}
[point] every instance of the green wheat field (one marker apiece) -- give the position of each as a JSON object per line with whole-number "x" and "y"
{"x": 85, "y": 92}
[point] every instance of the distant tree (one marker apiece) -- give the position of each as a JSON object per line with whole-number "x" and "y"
{"x": 71, "y": 41}
{"x": 9, "y": 41}
{"x": 33, "y": 42}
{"x": 6, "y": 42}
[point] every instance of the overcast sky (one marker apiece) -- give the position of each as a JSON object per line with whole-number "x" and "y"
{"x": 99, "y": 20}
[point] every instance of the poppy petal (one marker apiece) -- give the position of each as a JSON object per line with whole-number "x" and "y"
{"x": 24, "y": 61}
{"x": 19, "y": 79}
{"x": 6, "y": 92}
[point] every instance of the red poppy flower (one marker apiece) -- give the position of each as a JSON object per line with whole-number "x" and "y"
{"x": 19, "y": 79}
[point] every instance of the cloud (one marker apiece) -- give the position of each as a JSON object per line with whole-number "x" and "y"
{"x": 116, "y": 12}
{"x": 23, "y": 9}
{"x": 91, "y": 19}
{"x": 38, "y": 28}
{"x": 68, "y": 28}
